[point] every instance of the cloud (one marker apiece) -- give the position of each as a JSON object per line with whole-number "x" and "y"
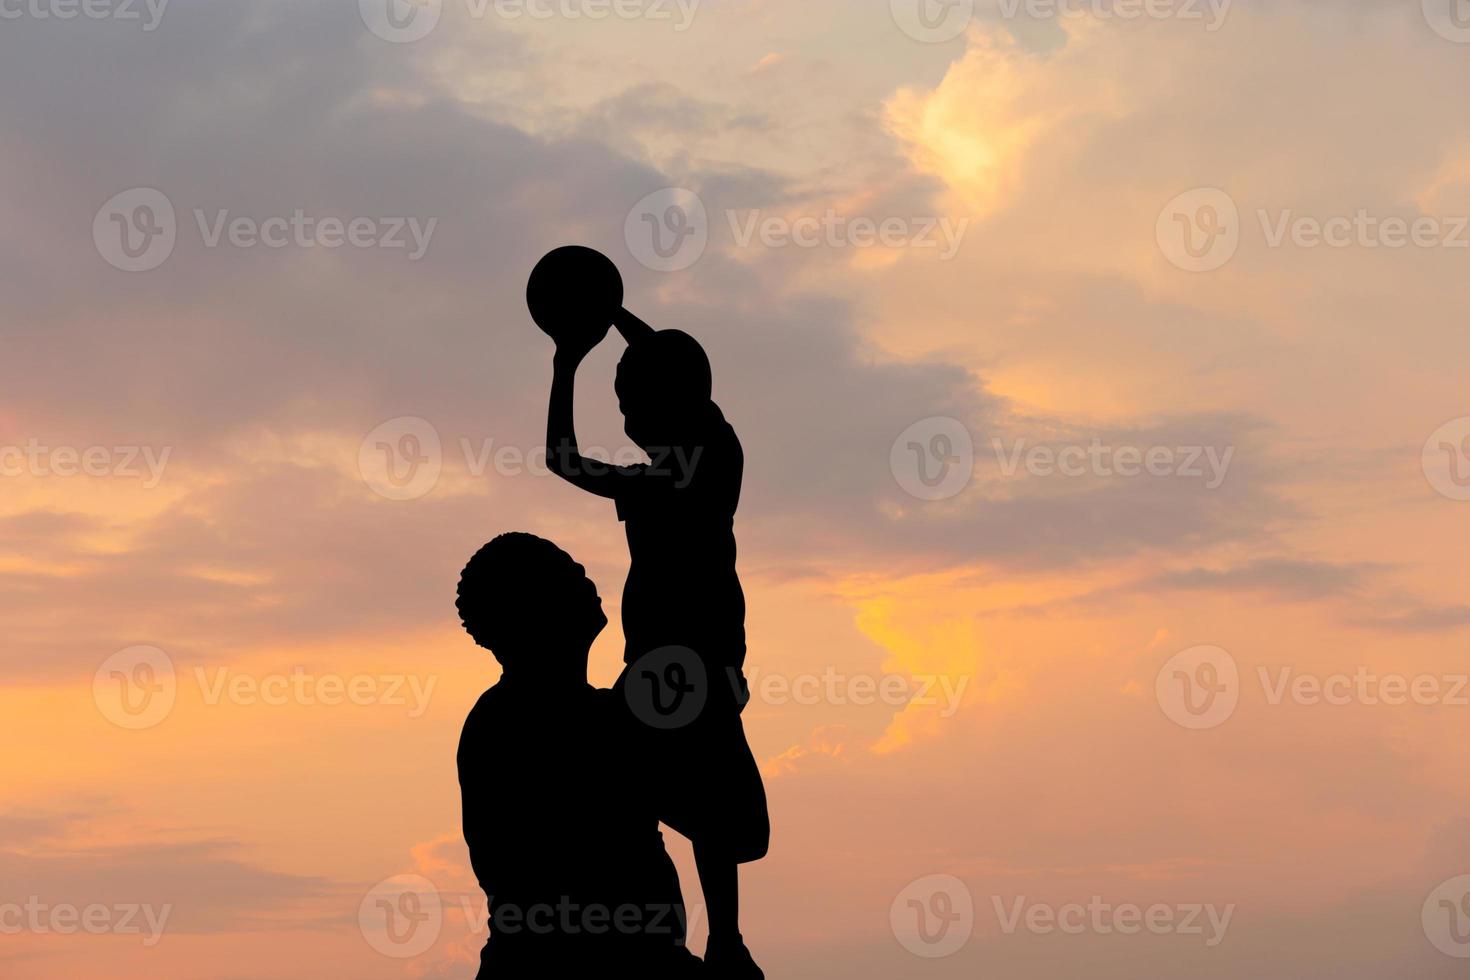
{"x": 206, "y": 885}
{"x": 1276, "y": 577}
{"x": 1419, "y": 619}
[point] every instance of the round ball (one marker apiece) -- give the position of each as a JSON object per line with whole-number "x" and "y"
{"x": 574, "y": 288}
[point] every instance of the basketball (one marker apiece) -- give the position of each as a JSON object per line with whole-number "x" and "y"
{"x": 575, "y": 289}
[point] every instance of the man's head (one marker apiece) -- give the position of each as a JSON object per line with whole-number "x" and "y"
{"x": 663, "y": 383}
{"x": 525, "y": 600}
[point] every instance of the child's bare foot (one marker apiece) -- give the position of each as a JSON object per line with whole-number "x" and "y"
{"x": 730, "y": 960}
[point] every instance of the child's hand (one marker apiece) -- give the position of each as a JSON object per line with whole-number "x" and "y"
{"x": 573, "y": 346}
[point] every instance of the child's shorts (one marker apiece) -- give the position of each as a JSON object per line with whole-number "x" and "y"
{"x": 691, "y": 747}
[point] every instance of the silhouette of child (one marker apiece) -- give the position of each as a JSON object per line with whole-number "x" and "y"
{"x": 683, "y": 607}
{"x": 562, "y": 834}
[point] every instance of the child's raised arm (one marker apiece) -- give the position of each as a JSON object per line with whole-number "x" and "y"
{"x": 632, "y": 328}
{"x": 562, "y": 455}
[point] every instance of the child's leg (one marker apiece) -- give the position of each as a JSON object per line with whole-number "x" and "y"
{"x": 732, "y": 827}
{"x": 726, "y": 957}
{"x": 719, "y": 877}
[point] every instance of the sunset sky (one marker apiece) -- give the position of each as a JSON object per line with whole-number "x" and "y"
{"x": 1102, "y": 384}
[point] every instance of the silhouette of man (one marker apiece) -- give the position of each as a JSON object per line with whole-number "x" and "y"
{"x": 562, "y": 833}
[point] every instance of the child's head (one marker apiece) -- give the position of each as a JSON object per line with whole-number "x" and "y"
{"x": 663, "y": 385}
{"x": 525, "y": 600}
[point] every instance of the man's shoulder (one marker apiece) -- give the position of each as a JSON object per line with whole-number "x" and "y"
{"x": 482, "y": 717}
{"x": 489, "y": 702}
{"x": 501, "y": 705}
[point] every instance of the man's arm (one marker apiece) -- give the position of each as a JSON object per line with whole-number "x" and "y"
{"x": 476, "y": 816}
